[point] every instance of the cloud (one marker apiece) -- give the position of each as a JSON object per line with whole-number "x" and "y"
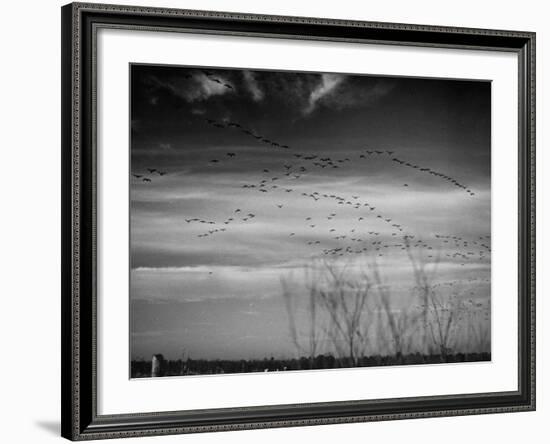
{"x": 336, "y": 92}
{"x": 253, "y": 86}
{"x": 353, "y": 97}
{"x": 205, "y": 283}
{"x": 307, "y": 92}
{"x": 329, "y": 82}
{"x": 197, "y": 89}
{"x": 135, "y": 124}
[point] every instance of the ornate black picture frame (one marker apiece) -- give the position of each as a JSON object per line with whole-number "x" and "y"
{"x": 80, "y": 419}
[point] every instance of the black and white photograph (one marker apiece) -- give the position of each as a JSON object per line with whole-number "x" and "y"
{"x": 278, "y": 222}
{"x": 284, "y": 221}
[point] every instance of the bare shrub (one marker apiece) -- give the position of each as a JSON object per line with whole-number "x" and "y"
{"x": 308, "y": 339}
{"x": 345, "y": 300}
{"x": 347, "y": 308}
{"x": 398, "y": 325}
{"x": 336, "y": 309}
{"x": 443, "y": 322}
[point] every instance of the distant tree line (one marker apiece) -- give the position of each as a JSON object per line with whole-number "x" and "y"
{"x": 181, "y": 367}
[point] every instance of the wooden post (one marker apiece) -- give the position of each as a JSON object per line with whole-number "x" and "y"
{"x": 158, "y": 366}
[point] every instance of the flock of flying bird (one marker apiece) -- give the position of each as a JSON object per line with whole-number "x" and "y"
{"x": 327, "y": 162}
{"x": 210, "y": 76}
{"x": 358, "y": 240}
{"x": 144, "y": 177}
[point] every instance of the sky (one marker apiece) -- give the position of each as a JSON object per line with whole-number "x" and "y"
{"x": 240, "y": 179}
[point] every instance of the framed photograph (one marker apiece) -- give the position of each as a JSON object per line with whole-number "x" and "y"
{"x": 280, "y": 221}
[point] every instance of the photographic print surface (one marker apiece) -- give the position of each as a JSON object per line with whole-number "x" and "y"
{"x": 296, "y": 221}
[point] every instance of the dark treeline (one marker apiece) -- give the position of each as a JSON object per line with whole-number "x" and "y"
{"x": 142, "y": 368}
